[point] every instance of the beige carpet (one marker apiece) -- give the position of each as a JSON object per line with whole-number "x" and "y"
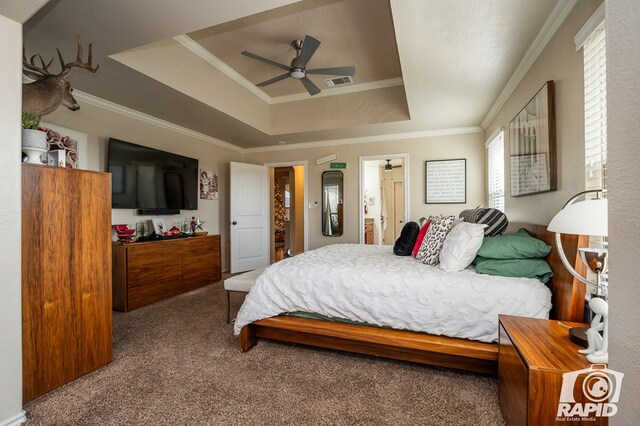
{"x": 177, "y": 362}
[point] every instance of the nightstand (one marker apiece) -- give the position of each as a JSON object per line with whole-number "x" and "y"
{"x": 533, "y": 356}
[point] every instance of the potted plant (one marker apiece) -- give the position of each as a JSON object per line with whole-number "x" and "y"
{"x": 34, "y": 141}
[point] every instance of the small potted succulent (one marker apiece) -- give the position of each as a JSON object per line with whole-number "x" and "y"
{"x": 34, "y": 140}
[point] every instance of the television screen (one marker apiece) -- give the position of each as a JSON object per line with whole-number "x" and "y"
{"x": 147, "y": 178}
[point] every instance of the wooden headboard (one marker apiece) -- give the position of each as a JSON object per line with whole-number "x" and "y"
{"x": 567, "y": 292}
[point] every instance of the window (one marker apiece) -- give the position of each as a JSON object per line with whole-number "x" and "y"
{"x": 495, "y": 166}
{"x": 595, "y": 109}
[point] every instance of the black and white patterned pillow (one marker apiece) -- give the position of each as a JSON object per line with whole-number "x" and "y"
{"x": 429, "y": 252}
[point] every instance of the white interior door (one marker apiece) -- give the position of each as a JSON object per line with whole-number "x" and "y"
{"x": 249, "y": 215}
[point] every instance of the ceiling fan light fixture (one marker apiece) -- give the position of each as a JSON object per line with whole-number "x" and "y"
{"x": 388, "y": 167}
{"x": 297, "y": 73}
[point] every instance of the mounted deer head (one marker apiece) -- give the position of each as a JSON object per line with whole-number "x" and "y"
{"x": 49, "y": 91}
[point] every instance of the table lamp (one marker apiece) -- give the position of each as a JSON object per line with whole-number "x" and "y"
{"x": 587, "y": 217}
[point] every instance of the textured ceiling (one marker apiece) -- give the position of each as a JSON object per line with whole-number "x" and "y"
{"x": 454, "y": 59}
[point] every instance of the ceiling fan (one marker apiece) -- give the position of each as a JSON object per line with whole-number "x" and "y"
{"x": 304, "y": 51}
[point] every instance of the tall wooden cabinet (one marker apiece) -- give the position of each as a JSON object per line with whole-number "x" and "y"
{"x": 66, "y": 275}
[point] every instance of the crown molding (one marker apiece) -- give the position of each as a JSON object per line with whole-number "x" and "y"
{"x": 119, "y": 109}
{"x": 214, "y": 61}
{"x": 367, "y": 139}
{"x": 555, "y": 20}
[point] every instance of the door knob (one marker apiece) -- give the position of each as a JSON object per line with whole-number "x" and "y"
{"x": 234, "y": 223}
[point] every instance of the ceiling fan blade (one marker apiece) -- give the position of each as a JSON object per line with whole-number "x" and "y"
{"x": 308, "y": 84}
{"x": 350, "y": 70}
{"x": 309, "y": 47}
{"x": 273, "y": 80}
{"x": 265, "y": 60}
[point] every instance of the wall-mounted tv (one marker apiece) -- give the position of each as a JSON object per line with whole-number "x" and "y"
{"x": 149, "y": 179}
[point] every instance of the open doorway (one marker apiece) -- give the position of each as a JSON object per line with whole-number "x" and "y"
{"x": 384, "y": 201}
{"x": 288, "y": 213}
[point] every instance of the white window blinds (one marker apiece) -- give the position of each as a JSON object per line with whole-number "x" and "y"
{"x": 595, "y": 109}
{"x": 495, "y": 163}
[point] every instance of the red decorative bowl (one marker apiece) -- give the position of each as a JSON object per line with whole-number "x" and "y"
{"x": 120, "y": 228}
{"x": 125, "y": 232}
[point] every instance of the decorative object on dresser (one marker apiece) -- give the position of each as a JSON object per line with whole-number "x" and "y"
{"x": 34, "y": 140}
{"x": 587, "y": 217}
{"x": 144, "y": 273}
{"x": 533, "y": 145}
{"x": 534, "y": 357}
{"x": 66, "y": 276}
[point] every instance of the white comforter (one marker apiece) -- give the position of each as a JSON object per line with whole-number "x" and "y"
{"x": 368, "y": 284}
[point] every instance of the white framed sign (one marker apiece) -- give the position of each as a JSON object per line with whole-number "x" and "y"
{"x": 445, "y": 181}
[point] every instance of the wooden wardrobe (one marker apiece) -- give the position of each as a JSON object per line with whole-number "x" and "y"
{"x": 66, "y": 275}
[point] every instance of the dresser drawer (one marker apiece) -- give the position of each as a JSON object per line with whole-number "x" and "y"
{"x": 149, "y": 293}
{"x": 155, "y": 252}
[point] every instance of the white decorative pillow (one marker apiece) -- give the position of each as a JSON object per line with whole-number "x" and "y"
{"x": 461, "y": 245}
{"x": 430, "y": 248}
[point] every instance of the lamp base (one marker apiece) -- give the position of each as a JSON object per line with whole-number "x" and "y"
{"x": 578, "y": 335}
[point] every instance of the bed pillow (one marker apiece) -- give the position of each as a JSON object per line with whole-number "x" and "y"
{"x": 525, "y": 268}
{"x": 519, "y": 245}
{"x": 429, "y": 252}
{"x": 495, "y": 220}
{"x": 461, "y": 246}
{"x": 407, "y": 239}
{"x": 423, "y": 232}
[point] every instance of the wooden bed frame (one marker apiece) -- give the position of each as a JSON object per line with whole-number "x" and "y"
{"x": 568, "y": 305}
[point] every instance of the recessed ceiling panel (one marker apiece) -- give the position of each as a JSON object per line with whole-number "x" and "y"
{"x": 351, "y": 32}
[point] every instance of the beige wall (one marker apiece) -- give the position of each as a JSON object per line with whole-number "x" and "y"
{"x": 100, "y": 124}
{"x": 560, "y": 62}
{"x": 469, "y": 146}
{"x": 623, "y": 116}
{"x": 10, "y": 215}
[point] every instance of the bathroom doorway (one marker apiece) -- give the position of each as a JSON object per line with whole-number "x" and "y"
{"x": 384, "y": 200}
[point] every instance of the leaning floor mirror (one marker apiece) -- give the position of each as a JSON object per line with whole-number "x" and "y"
{"x": 332, "y": 212}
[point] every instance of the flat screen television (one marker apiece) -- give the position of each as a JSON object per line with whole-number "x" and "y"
{"x": 149, "y": 179}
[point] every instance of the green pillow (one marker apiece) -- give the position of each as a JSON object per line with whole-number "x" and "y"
{"x": 526, "y": 268}
{"x": 519, "y": 245}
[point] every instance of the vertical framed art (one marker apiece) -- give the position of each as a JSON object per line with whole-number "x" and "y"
{"x": 532, "y": 145}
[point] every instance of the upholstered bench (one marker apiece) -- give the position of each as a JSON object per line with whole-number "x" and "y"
{"x": 241, "y": 283}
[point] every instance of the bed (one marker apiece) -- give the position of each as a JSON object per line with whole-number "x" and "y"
{"x": 480, "y": 354}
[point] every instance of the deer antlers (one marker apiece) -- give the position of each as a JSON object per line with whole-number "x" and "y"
{"x": 78, "y": 63}
{"x": 42, "y": 70}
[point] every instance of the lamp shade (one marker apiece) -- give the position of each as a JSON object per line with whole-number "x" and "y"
{"x": 588, "y": 217}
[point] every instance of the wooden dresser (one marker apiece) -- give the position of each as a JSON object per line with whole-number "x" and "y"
{"x": 144, "y": 273}
{"x": 533, "y": 356}
{"x": 66, "y": 275}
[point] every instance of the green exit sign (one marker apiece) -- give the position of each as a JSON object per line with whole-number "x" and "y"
{"x": 338, "y": 165}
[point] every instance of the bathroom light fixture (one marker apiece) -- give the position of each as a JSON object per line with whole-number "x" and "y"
{"x": 388, "y": 167}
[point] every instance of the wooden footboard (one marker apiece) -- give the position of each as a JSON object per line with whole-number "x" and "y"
{"x": 397, "y": 344}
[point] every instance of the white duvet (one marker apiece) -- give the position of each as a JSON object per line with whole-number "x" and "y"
{"x": 369, "y": 284}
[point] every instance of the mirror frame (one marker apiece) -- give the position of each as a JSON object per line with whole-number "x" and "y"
{"x": 340, "y": 212}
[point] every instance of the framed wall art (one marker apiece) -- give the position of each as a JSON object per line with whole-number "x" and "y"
{"x": 532, "y": 146}
{"x": 445, "y": 181}
{"x": 208, "y": 185}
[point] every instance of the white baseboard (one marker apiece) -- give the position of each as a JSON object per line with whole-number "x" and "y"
{"x": 16, "y": 420}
